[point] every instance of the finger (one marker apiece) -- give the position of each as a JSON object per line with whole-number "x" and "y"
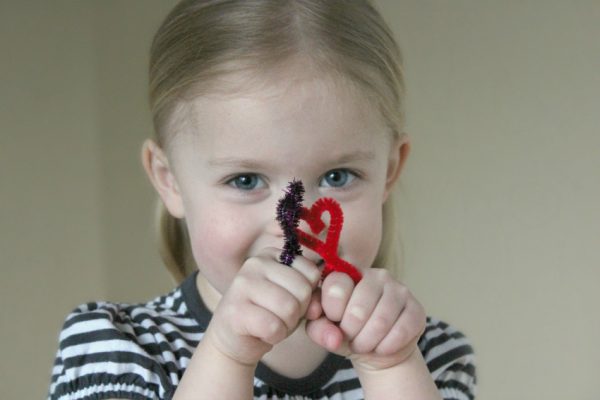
{"x": 299, "y": 280}
{"x": 262, "y": 324}
{"x": 277, "y": 300}
{"x": 335, "y": 293}
{"x": 303, "y": 265}
{"x": 380, "y": 322}
{"x": 295, "y": 284}
{"x": 408, "y": 327}
{"x": 314, "y": 309}
{"x": 325, "y": 333}
{"x": 308, "y": 269}
{"x": 365, "y": 297}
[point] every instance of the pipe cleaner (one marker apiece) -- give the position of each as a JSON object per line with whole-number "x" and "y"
{"x": 290, "y": 210}
{"x": 288, "y": 215}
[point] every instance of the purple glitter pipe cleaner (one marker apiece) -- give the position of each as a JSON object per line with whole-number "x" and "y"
{"x": 288, "y": 215}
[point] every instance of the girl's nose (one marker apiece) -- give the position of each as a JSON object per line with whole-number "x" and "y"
{"x": 274, "y": 229}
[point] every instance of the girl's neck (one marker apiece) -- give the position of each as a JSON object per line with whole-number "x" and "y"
{"x": 306, "y": 355}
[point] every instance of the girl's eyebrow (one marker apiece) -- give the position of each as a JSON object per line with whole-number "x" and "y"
{"x": 236, "y": 162}
{"x": 359, "y": 155}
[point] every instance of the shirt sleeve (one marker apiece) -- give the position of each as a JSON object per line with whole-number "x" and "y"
{"x": 102, "y": 354}
{"x": 450, "y": 359}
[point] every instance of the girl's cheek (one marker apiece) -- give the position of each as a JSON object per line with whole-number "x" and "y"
{"x": 361, "y": 236}
{"x": 218, "y": 248}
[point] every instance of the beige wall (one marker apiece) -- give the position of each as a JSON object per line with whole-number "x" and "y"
{"x": 499, "y": 202}
{"x": 76, "y": 209}
{"x": 50, "y": 243}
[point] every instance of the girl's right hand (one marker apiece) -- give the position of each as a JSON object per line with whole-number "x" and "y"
{"x": 263, "y": 305}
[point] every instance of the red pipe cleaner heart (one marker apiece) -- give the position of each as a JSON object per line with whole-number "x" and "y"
{"x": 327, "y": 249}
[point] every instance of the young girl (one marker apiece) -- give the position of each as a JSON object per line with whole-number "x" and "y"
{"x": 247, "y": 95}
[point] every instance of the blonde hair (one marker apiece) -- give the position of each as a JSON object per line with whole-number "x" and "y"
{"x": 203, "y": 41}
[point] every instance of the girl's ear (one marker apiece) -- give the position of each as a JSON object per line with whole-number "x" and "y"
{"x": 399, "y": 151}
{"x": 157, "y": 167}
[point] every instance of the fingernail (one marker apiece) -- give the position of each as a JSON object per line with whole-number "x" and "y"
{"x": 330, "y": 341}
{"x": 336, "y": 291}
{"x": 315, "y": 276}
{"x": 358, "y": 312}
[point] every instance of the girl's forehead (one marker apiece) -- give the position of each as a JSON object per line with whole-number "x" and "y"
{"x": 301, "y": 99}
{"x": 309, "y": 113}
{"x": 301, "y": 130}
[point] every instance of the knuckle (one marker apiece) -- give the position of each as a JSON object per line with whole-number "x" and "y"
{"x": 313, "y": 275}
{"x": 241, "y": 286}
{"x": 338, "y": 279}
{"x": 241, "y": 281}
{"x": 304, "y": 294}
{"x": 289, "y": 309}
{"x": 401, "y": 334}
{"x": 274, "y": 331}
{"x": 381, "y": 274}
{"x": 270, "y": 253}
{"x": 270, "y": 250}
{"x": 251, "y": 262}
{"x": 388, "y": 347}
{"x": 360, "y": 346}
{"x": 251, "y": 265}
{"x": 402, "y": 291}
{"x": 229, "y": 311}
{"x": 420, "y": 320}
{"x": 332, "y": 312}
{"x": 380, "y": 324}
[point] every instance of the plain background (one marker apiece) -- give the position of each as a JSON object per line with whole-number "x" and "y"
{"x": 500, "y": 200}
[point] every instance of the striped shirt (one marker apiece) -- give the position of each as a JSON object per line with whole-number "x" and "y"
{"x": 110, "y": 350}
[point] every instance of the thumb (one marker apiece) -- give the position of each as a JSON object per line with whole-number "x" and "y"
{"x": 325, "y": 333}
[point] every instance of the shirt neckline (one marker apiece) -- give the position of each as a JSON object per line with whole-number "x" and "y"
{"x": 294, "y": 386}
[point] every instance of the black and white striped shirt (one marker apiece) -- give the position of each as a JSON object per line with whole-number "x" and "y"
{"x": 110, "y": 350}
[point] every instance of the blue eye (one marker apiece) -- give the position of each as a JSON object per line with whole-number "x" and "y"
{"x": 246, "y": 182}
{"x": 337, "y": 178}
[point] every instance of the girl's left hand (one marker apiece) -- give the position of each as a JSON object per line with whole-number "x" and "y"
{"x": 376, "y": 324}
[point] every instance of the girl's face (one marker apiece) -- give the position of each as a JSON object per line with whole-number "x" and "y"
{"x": 239, "y": 152}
